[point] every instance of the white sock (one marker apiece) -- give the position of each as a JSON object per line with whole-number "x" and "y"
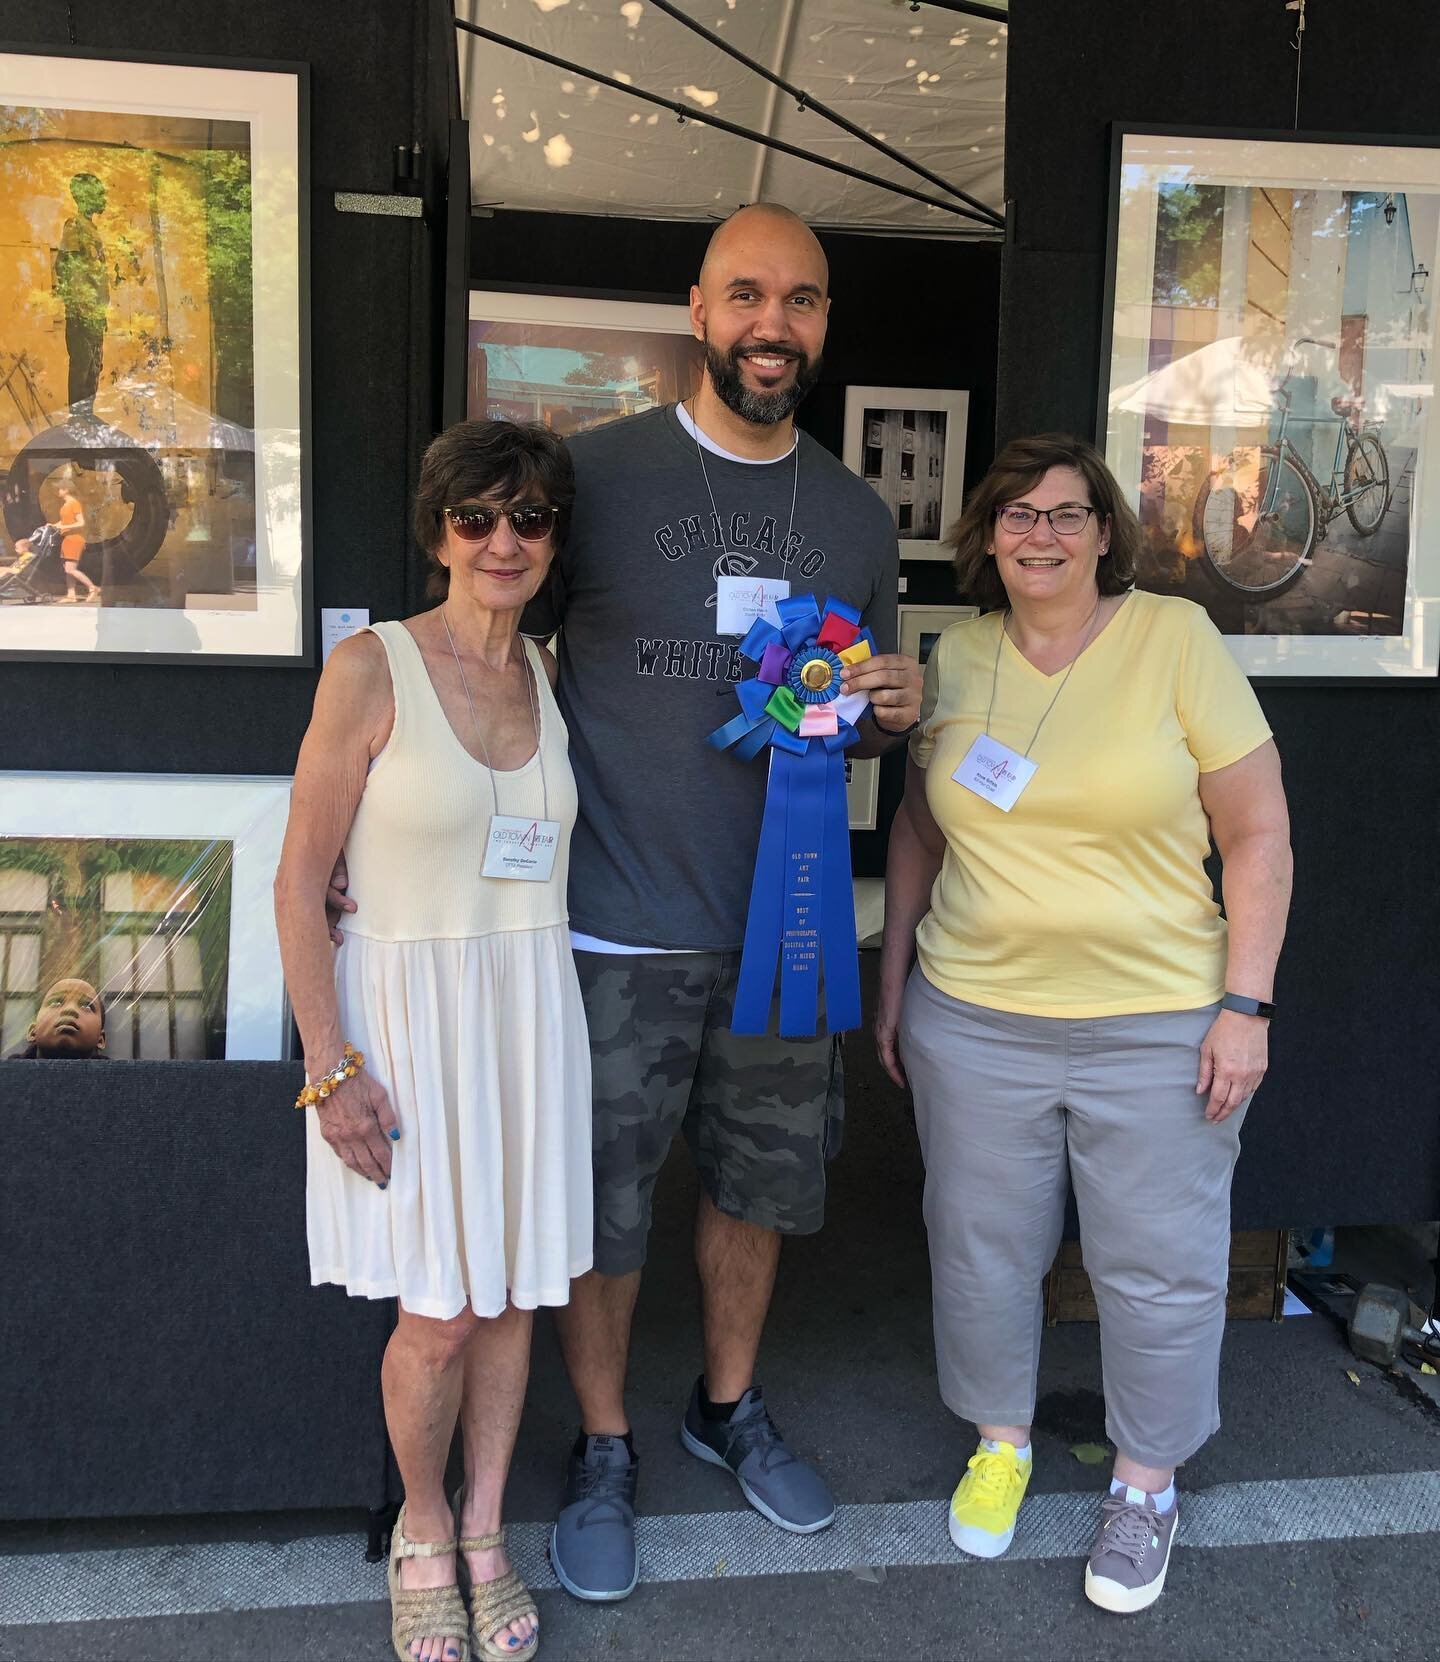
{"x": 1163, "y": 1501}
{"x": 991, "y": 1446}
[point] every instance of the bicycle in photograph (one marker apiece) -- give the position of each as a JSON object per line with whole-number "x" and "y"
{"x": 1258, "y": 535}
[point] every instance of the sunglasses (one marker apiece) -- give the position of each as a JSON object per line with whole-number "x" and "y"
{"x": 474, "y": 524}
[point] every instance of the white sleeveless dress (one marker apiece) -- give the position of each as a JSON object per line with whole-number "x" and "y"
{"x": 461, "y": 991}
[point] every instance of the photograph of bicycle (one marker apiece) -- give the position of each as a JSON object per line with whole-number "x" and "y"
{"x": 1270, "y": 379}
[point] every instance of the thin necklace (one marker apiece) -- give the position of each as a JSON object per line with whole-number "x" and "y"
{"x": 484, "y": 750}
{"x": 710, "y": 491}
{"x": 1069, "y": 670}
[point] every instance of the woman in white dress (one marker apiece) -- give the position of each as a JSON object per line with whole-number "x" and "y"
{"x": 451, "y": 1169}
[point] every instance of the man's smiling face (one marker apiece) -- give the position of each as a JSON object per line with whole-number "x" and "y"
{"x": 761, "y": 307}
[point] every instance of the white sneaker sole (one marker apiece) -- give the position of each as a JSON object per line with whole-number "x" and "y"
{"x": 703, "y": 1451}
{"x": 1125, "y": 1601}
{"x": 979, "y": 1543}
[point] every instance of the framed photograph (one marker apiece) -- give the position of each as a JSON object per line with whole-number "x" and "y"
{"x": 576, "y": 363}
{"x": 921, "y": 626}
{"x": 909, "y": 445}
{"x": 1268, "y": 383}
{"x": 136, "y": 917}
{"x": 154, "y": 360}
{"x": 862, "y": 791}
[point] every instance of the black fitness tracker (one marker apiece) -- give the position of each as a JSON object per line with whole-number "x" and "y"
{"x": 1247, "y": 1006}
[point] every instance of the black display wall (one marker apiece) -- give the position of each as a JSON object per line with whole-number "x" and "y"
{"x": 378, "y": 78}
{"x": 906, "y": 313}
{"x": 1348, "y": 1128}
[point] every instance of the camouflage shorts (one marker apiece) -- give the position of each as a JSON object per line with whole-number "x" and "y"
{"x": 761, "y": 1115}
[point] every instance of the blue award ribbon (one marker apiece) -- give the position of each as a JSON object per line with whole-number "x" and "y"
{"x": 802, "y": 903}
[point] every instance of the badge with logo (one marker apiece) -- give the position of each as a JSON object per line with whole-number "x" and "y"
{"x": 802, "y": 904}
{"x": 521, "y": 848}
{"x": 739, "y": 601}
{"x": 994, "y": 771}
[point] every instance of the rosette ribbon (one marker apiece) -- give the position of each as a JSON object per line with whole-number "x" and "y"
{"x": 802, "y": 904}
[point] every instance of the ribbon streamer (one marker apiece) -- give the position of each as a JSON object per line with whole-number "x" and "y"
{"x": 802, "y": 902}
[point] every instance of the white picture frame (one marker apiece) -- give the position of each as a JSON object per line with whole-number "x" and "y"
{"x": 1267, "y": 377}
{"x": 526, "y": 358}
{"x": 908, "y": 444}
{"x": 191, "y": 460}
{"x": 862, "y": 791}
{"x": 919, "y": 627}
{"x": 248, "y": 813}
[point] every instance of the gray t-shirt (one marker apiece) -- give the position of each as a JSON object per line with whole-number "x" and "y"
{"x": 664, "y": 848}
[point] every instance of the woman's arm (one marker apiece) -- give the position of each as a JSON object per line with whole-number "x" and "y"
{"x": 1250, "y": 823}
{"x": 352, "y": 715}
{"x": 917, "y": 847}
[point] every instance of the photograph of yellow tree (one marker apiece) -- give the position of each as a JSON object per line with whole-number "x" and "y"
{"x": 147, "y": 493}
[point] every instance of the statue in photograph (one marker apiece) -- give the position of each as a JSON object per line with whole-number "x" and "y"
{"x": 68, "y": 1026}
{"x": 83, "y": 287}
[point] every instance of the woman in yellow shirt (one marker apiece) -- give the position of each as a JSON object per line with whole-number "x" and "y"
{"x": 1080, "y": 1009}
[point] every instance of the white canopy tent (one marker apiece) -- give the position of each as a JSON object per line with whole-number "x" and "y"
{"x": 929, "y": 82}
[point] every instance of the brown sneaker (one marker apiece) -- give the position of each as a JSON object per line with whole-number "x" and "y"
{"x": 1126, "y": 1571}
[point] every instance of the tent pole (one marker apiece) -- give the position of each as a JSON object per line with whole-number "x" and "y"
{"x": 986, "y": 217}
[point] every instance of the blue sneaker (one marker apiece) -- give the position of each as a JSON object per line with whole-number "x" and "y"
{"x": 592, "y": 1546}
{"x": 775, "y": 1482}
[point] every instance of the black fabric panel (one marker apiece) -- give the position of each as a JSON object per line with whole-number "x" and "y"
{"x": 1347, "y": 1129}
{"x": 161, "y": 1348}
{"x": 373, "y": 386}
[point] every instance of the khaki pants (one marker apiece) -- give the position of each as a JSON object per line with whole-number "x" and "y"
{"x": 1010, "y": 1110}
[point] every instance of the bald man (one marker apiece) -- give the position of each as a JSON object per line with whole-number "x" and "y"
{"x": 680, "y": 514}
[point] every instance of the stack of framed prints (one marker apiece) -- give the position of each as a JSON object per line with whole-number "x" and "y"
{"x": 136, "y": 917}
{"x": 154, "y": 355}
{"x": 1268, "y": 390}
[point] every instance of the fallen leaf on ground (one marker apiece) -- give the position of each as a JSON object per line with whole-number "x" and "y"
{"x": 1091, "y": 1454}
{"x": 1352, "y": 1376}
{"x": 1426, "y": 1368}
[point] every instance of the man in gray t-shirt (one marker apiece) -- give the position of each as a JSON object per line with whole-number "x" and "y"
{"x": 669, "y": 506}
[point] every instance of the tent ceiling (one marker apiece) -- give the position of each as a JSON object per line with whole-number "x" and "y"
{"x": 930, "y": 82}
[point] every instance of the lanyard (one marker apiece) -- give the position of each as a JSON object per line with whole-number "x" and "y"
{"x": 534, "y": 717}
{"x": 710, "y": 491}
{"x": 1069, "y": 669}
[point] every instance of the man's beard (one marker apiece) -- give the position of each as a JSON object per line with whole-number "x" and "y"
{"x": 761, "y": 409}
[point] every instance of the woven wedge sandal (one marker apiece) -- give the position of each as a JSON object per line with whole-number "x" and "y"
{"x": 424, "y": 1612}
{"x": 495, "y": 1604}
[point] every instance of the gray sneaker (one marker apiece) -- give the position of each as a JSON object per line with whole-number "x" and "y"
{"x": 772, "y": 1479}
{"x": 592, "y": 1546}
{"x": 1126, "y": 1571}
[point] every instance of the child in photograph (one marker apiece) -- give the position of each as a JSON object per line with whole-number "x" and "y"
{"x": 68, "y": 1026}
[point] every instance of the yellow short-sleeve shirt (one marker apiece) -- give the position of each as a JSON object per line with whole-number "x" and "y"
{"x": 1090, "y": 897}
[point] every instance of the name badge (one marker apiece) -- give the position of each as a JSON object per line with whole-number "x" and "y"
{"x": 521, "y": 849}
{"x": 994, "y": 771}
{"x": 740, "y": 600}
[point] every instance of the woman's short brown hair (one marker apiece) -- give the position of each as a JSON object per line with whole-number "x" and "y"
{"x": 1019, "y": 467}
{"x": 508, "y": 459}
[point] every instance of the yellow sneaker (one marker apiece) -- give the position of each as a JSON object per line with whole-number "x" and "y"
{"x": 987, "y": 1499}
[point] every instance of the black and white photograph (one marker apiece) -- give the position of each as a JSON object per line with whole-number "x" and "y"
{"x": 908, "y": 445}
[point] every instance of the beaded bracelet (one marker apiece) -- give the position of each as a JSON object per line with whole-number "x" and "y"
{"x": 347, "y": 1068}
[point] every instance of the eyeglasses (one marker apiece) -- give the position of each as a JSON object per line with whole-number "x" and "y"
{"x": 1064, "y": 522}
{"x": 474, "y": 524}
